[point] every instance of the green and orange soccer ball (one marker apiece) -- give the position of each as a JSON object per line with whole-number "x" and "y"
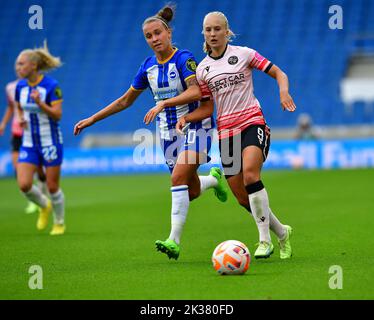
{"x": 231, "y": 257}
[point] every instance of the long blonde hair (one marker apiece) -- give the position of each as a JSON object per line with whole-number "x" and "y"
{"x": 43, "y": 58}
{"x": 230, "y": 35}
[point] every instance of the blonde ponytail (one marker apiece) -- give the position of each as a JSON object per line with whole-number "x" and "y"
{"x": 43, "y": 58}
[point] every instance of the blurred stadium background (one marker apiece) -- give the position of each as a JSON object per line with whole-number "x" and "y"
{"x": 331, "y": 72}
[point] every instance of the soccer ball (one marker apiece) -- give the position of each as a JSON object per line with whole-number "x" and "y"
{"x": 231, "y": 257}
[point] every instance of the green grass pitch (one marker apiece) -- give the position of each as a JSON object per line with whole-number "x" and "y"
{"x": 112, "y": 222}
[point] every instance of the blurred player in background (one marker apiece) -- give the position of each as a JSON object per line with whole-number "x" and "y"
{"x": 170, "y": 73}
{"x": 16, "y": 141}
{"x": 39, "y": 101}
{"x": 225, "y": 78}
{"x": 305, "y": 129}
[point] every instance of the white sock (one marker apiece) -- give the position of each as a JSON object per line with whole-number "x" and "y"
{"x": 58, "y": 203}
{"x": 179, "y": 209}
{"x": 42, "y": 185}
{"x": 276, "y": 226}
{"x": 36, "y": 196}
{"x": 259, "y": 203}
{"x": 207, "y": 182}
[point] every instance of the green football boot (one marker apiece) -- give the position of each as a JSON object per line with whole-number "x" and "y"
{"x": 220, "y": 191}
{"x": 31, "y": 208}
{"x": 170, "y": 247}
{"x": 285, "y": 245}
{"x": 264, "y": 250}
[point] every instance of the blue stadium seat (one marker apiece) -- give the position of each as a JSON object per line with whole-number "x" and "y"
{"x": 102, "y": 46}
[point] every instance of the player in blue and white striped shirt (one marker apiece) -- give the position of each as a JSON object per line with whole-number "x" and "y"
{"x": 167, "y": 79}
{"x": 170, "y": 73}
{"x": 39, "y": 101}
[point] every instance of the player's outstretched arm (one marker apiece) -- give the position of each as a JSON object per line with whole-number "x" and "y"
{"x": 6, "y": 117}
{"x": 118, "y": 105}
{"x": 286, "y": 100}
{"x": 204, "y": 111}
{"x": 191, "y": 94}
{"x": 19, "y": 114}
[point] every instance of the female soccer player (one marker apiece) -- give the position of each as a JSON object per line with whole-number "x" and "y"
{"x": 170, "y": 73}
{"x": 39, "y": 101}
{"x": 225, "y": 77}
{"x": 16, "y": 140}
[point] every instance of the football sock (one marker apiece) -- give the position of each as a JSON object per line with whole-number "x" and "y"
{"x": 36, "y": 196}
{"x": 42, "y": 185}
{"x": 179, "y": 208}
{"x": 276, "y": 226}
{"x": 207, "y": 182}
{"x": 58, "y": 203}
{"x": 259, "y": 202}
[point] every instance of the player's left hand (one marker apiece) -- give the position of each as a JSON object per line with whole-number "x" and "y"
{"x": 35, "y": 95}
{"x": 182, "y": 123}
{"x": 287, "y": 102}
{"x": 22, "y": 122}
{"x": 152, "y": 113}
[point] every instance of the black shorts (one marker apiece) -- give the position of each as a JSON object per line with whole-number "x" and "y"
{"x": 16, "y": 143}
{"x": 231, "y": 148}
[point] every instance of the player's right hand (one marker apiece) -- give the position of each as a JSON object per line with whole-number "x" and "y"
{"x": 82, "y": 124}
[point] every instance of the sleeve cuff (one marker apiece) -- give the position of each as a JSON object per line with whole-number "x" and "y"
{"x": 190, "y": 77}
{"x": 203, "y": 99}
{"x": 56, "y": 101}
{"x": 268, "y": 67}
{"x": 132, "y": 88}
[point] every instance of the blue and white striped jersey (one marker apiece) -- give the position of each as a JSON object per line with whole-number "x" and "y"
{"x": 41, "y": 130}
{"x": 167, "y": 79}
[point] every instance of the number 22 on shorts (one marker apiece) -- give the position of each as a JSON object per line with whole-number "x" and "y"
{"x": 49, "y": 153}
